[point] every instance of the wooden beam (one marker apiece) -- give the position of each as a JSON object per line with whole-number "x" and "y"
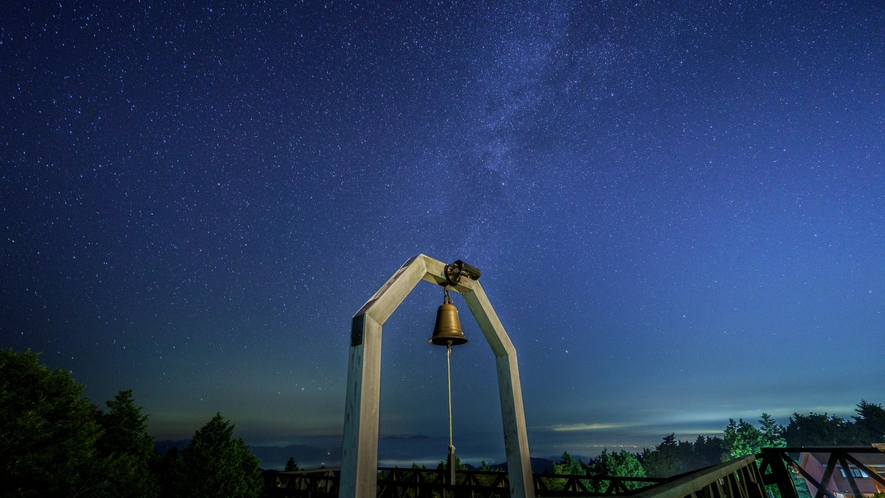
{"x": 825, "y": 479}
{"x": 847, "y": 470}
{"x": 359, "y": 460}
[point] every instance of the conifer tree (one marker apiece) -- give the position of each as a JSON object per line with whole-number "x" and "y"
{"x": 668, "y": 458}
{"x": 870, "y": 423}
{"x": 127, "y": 449}
{"x": 741, "y": 439}
{"x": 819, "y": 429}
{"x": 48, "y": 431}
{"x": 215, "y": 464}
{"x": 621, "y": 464}
{"x": 772, "y": 432}
{"x": 568, "y": 466}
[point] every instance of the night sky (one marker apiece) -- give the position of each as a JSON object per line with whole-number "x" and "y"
{"x": 678, "y": 209}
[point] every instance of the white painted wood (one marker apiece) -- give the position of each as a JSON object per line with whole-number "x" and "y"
{"x": 395, "y": 290}
{"x": 350, "y": 450}
{"x": 488, "y": 320}
{"x": 359, "y": 460}
{"x": 516, "y": 442}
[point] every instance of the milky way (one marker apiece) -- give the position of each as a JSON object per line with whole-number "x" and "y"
{"x": 677, "y": 208}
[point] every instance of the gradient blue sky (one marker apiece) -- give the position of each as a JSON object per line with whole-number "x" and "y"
{"x": 678, "y": 208}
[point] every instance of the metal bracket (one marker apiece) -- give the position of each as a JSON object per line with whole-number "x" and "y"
{"x": 456, "y": 270}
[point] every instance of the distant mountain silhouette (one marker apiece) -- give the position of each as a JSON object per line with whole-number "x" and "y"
{"x": 393, "y": 451}
{"x": 275, "y": 457}
{"x": 539, "y": 465}
{"x": 307, "y": 457}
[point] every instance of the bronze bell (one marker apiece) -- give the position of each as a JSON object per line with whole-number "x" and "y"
{"x": 448, "y": 327}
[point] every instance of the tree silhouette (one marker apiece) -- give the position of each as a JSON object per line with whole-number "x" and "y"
{"x": 621, "y": 464}
{"x": 48, "y": 432}
{"x": 870, "y": 423}
{"x": 817, "y": 429}
{"x": 127, "y": 448}
{"x": 215, "y": 464}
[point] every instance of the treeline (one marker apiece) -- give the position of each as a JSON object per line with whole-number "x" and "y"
{"x": 672, "y": 457}
{"x": 53, "y": 443}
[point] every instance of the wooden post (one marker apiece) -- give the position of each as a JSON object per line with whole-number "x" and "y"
{"x": 359, "y": 459}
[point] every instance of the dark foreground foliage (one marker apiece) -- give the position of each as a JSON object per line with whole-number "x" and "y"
{"x": 53, "y": 443}
{"x": 213, "y": 464}
{"x": 48, "y": 433}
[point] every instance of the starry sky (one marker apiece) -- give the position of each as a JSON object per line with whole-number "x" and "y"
{"x": 678, "y": 208}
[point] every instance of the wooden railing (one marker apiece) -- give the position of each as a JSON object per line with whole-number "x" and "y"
{"x": 754, "y": 476}
{"x": 735, "y": 479}
{"x": 321, "y": 483}
{"x": 433, "y": 483}
{"x": 778, "y": 463}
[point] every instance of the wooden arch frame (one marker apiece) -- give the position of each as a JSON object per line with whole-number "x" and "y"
{"x": 359, "y": 459}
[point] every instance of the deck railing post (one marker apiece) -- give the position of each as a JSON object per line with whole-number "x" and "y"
{"x": 773, "y": 459}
